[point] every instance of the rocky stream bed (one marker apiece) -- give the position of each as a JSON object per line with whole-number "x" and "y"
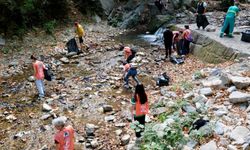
{"x": 88, "y": 90}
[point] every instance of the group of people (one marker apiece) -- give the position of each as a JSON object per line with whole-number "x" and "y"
{"x": 178, "y": 40}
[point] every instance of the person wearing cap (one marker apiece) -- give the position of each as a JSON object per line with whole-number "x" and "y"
{"x": 64, "y": 138}
{"x": 168, "y": 41}
{"x": 201, "y": 18}
{"x": 80, "y": 33}
{"x": 130, "y": 71}
{"x": 230, "y": 19}
{"x": 129, "y": 54}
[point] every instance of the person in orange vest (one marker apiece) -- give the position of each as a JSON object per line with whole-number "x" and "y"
{"x": 130, "y": 71}
{"x": 39, "y": 67}
{"x": 80, "y": 33}
{"x": 140, "y": 106}
{"x": 129, "y": 54}
{"x": 64, "y": 138}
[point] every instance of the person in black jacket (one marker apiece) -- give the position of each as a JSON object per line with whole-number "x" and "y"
{"x": 201, "y": 19}
{"x": 168, "y": 41}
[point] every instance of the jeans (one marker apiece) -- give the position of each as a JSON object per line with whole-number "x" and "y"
{"x": 132, "y": 72}
{"x": 40, "y": 87}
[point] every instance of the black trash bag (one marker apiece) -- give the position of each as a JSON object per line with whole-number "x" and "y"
{"x": 176, "y": 60}
{"x": 163, "y": 80}
{"x": 72, "y": 46}
{"x": 198, "y": 124}
{"x": 48, "y": 73}
{"x": 245, "y": 36}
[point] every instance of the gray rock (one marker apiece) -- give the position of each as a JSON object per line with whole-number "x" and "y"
{"x": 2, "y": 41}
{"x": 188, "y": 95}
{"x": 109, "y": 118}
{"x": 231, "y": 89}
{"x": 189, "y": 108}
{"x": 90, "y": 129}
{"x": 94, "y": 143}
{"x": 70, "y": 55}
{"x": 45, "y": 117}
{"x": 158, "y": 111}
{"x": 206, "y": 91}
{"x": 209, "y": 146}
{"x": 46, "y": 107}
{"x": 31, "y": 79}
{"x": 64, "y": 60}
{"x": 239, "y": 134}
{"x": 107, "y": 6}
{"x": 118, "y": 132}
{"x": 215, "y": 82}
{"x": 125, "y": 139}
{"x": 239, "y": 97}
{"x": 231, "y": 147}
{"x": 120, "y": 125}
{"x": 219, "y": 128}
{"x": 240, "y": 82}
{"x": 107, "y": 108}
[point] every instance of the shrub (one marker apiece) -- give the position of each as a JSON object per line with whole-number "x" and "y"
{"x": 49, "y": 26}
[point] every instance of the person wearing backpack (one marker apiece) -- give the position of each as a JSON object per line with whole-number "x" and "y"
{"x": 140, "y": 106}
{"x": 39, "y": 67}
{"x": 201, "y": 18}
{"x": 129, "y": 53}
{"x": 187, "y": 38}
{"x": 130, "y": 71}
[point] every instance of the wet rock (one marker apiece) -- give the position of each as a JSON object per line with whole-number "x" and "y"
{"x": 109, "y": 118}
{"x": 239, "y": 97}
{"x": 107, "y": 108}
{"x": 209, "y": 146}
{"x": 31, "y": 79}
{"x": 118, "y": 132}
{"x": 94, "y": 143}
{"x": 125, "y": 139}
{"x": 240, "y": 82}
{"x": 231, "y": 89}
{"x": 47, "y": 107}
{"x": 206, "y": 91}
{"x": 239, "y": 134}
{"x": 64, "y": 60}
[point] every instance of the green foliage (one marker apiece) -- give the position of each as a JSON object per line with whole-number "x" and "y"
{"x": 49, "y": 27}
{"x": 137, "y": 126}
{"x": 18, "y": 16}
{"x": 89, "y": 7}
{"x": 197, "y": 75}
